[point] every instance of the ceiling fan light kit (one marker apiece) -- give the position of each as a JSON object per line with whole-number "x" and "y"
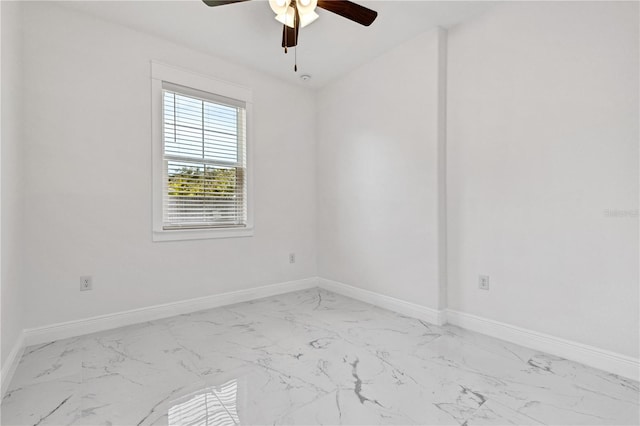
{"x": 279, "y": 6}
{"x": 288, "y": 18}
{"x": 296, "y": 14}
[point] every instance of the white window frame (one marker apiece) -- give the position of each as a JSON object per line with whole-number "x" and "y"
{"x": 166, "y": 73}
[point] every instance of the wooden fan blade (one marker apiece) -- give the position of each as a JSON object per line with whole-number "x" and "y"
{"x": 212, "y": 3}
{"x": 349, "y": 10}
{"x": 289, "y": 36}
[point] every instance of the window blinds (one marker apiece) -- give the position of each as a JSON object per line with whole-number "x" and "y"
{"x": 204, "y": 138}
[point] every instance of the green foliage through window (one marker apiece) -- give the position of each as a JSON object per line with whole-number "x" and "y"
{"x": 203, "y": 182}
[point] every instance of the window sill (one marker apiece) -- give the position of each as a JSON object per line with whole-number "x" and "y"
{"x": 201, "y": 234}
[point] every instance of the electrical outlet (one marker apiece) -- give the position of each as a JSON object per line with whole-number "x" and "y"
{"x": 86, "y": 283}
{"x": 292, "y": 258}
{"x": 483, "y": 282}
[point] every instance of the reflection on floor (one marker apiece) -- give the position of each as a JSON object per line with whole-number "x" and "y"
{"x": 310, "y": 357}
{"x": 215, "y": 405}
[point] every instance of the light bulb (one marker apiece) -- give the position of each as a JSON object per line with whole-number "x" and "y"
{"x": 279, "y": 6}
{"x": 287, "y": 18}
{"x": 307, "y": 6}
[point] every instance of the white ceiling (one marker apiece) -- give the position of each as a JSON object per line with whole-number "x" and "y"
{"x": 247, "y": 33}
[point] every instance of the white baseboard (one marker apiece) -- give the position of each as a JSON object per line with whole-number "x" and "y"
{"x": 602, "y": 359}
{"x": 429, "y": 315}
{"x": 11, "y": 364}
{"x": 35, "y": 336}
{"x": 599, "y": 358}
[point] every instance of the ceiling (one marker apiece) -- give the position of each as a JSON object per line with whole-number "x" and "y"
{"x": 247, "y": 33}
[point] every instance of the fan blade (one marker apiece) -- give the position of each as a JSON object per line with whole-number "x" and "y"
{"x": 349, "y": 10}
{"x": 212, "y": 3}
{"x": 289, "y": 36}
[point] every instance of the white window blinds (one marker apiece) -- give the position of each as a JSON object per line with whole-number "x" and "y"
{"x": 204, "y": 141}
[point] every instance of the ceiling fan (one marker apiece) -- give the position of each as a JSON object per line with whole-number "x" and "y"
{"x": 296, "y": 14}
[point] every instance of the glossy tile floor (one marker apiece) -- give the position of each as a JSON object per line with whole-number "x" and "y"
{"x": 309, "y": 357}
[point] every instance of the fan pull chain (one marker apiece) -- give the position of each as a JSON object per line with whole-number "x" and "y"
{"x": 286, "y": 41}
{"x": 295, "y": 59}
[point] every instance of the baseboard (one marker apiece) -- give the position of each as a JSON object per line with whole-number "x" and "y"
{"x": 613, "y": 362}
{"x": 35, "y": 336}
{"x": 11, "y": 364}
{"x": 429, "y": 315}
{"x": 599, "y": 358}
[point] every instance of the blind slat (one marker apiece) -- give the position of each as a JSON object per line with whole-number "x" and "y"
{"x": 204, "y": 153}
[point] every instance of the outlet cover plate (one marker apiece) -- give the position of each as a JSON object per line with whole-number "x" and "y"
{"x": 483, "y": 282}
{"x": 86, "y": 283}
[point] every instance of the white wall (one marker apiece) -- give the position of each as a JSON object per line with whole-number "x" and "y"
{"x": 378, "y": 174}
{"x": 542, "y": 140}
{"x": 88, "y": 175}
{"x": 12, "y": 184}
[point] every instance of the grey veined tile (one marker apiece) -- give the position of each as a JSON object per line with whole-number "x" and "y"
{"x": 309, "y": 357}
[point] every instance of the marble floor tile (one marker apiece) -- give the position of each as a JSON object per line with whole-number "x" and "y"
{"x": 309, "y": 357}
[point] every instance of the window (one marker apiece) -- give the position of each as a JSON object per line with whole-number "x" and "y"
{"x": 204, "y": 161}
{"x": 201, "y": 179}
